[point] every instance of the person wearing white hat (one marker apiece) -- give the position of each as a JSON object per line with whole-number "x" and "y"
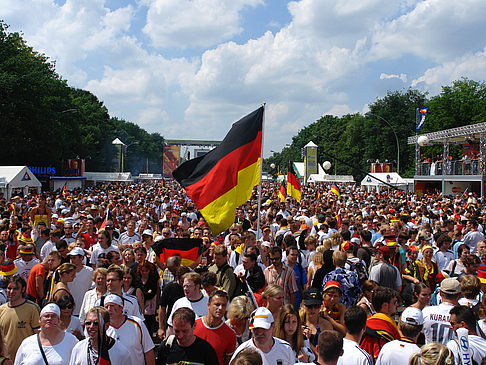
{"x": 82, "y": 281}
{"x": 51, "y": 345}
{"x": 130, "y": 331}
{"x": 272, "y": 349}
{"x": 398, "y": 352}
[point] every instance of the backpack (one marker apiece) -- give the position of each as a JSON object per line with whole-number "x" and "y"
{"x": 359, "y": 269}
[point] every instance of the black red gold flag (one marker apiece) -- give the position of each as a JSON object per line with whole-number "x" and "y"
{"x": 282, "y": 192}
{"x": 223, "y": 179}
{"x": 293, "y": 184}
{"x": 189, "y": 249}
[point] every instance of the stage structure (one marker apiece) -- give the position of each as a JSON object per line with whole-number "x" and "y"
{"x": 177, "y": 151}
{"x": 452, "y": 174}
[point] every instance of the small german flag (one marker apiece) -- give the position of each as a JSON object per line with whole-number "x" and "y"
{"x": 335, "y": 190}
{"x": 64, "y": 189}
{"x": 293, "y": 184}
{"x": 223, "y": 179}
{"x": 282, "y": 192}
{"x": 188, "y": 249}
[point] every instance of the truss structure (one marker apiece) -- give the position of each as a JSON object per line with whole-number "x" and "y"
{"x": 452, "y": 135}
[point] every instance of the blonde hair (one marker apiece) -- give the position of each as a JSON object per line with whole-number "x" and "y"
{"x": 322, "y": 248}
{"x": 336, "y": 238}
{"x": 318, "y": 259}
{"x": 433, "y": 354}
{"x": 240, "y": 307}
{"x": 327, "y": 244}
{"x": 271, "y": 291}
{"x": 98, "y": 271}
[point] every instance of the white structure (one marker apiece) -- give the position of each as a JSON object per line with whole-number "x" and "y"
{"x": 18, "y": 180}
{"x": 371, "y": 181}
{"x": 321, "y": 176}
{"x": 108, "y": 177}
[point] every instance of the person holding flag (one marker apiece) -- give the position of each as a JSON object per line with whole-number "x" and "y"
{"x": 98, "y": 348}
{"x": 336, "y": 191}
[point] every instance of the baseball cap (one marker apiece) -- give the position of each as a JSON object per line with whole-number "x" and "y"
{"x": 413, "y": 316}
{"x": 331, "y": 284}
{"x": 76, "y": 251}
{"x": 147, "y": 232}
{"x": 261, "y": 318}
{"x": 312, "y": 297}
{"x": 450, "y": 286}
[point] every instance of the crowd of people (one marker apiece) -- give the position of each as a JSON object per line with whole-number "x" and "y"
{"x": 362, "y": 278}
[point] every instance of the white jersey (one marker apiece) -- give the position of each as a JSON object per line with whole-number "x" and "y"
{"x": 29, "y": 352}
{"x": 119, "y": 354}
{"x": 24, "y": 267}
{"x": 79, "y": 286}
{"x": 135, "y": 337}
{"x": 477, "y": 348}
{"x": 200, "y": 307}
{"x": 353, "y": 354}
{"x": 436, "y": 323}
{"x": 281, "y": 352}
{"x": 397, "y": 352}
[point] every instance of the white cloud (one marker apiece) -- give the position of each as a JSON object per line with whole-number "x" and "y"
{"x": 434, "y": 29}
{"x": 194, "y": 23}
{"x": 470, "y": 66}
{"x": 385, "y": 76}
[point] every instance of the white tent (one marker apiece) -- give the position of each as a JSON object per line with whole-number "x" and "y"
{"x": 19, "y": 180}
{"x": 108, "y": 177}
{"x": 392, "y": 178}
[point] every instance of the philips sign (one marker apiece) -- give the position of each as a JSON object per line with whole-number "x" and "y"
{"x": 43, "y": 170}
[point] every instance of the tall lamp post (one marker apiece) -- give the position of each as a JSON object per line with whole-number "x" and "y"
{"x": 396, "y": 139}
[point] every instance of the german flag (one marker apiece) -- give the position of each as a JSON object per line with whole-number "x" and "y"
{"x": 223, "y": 179}
{"x": 188, "y": 249}
{"x": 282, "y": 192}
{"x": 64, "y": 189}
{"x": 293, "y": 185}
{"x": 335, "y": 190}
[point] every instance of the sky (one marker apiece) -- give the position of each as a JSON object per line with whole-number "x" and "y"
{"x": 188, "y": 69}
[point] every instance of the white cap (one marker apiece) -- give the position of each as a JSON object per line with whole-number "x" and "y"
{"x": 113, "y": 298}
{"x": 51, "y": 308}
{"x": 261, "y": 318}
{"x": 76, "y": 251}
{"x": 413, "y": 316}
{"x": 148, "y": 232}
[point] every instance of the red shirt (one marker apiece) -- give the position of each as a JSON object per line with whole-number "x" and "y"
{"x": 222, "y": 338}
{"x": 91, "y": 239}
{"x": 37, "y": 270}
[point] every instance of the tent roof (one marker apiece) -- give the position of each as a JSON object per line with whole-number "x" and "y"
{"x": 390, "y": 177}
{"x": 109, "y": 176}
{"x": 18, "y": 176}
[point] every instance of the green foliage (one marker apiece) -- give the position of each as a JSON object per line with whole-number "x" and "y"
{"x": 44, "y": 121}
{"x": 359, "y": 139}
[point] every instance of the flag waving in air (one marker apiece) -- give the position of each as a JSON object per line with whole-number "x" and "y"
{"x": 335, "y": 190}
{"x": 223, "y": 178}
{"x": 282, "y": 192}
{"x": 293, "y": 184}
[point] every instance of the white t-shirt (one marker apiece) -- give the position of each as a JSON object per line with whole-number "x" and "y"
{"x": 442, "y": 259}
{"x": 119, "y": 354}
{"x": 396, "y": 352}
{"x": 79, "y": 286}
{"x": 436, "y": 323}
{"x": 74, "y": 324}
{"x": 281, "y": 352}
{"x": 29, "y": 352}
{"x": 125, "y": 239}
{"x": 24, "y": 267}
{"x": 47, "y": 248}
{"x": 98, "y": 250}
{"x": 200, "y": 307}
{"x": 135, "y": 337}
{"x": 477, "y": 348}
{"x": 353, "y": 354}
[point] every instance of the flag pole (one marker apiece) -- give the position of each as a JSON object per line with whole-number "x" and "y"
{"x": 261, "y": 173}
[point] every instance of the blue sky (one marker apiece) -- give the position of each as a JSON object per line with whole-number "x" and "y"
{"x": 189, "y": 68}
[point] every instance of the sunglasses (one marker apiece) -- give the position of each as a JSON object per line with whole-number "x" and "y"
{"x": 275, "y": 259}
{"x": 91, "y": 323}
{"x": 69, "y": 306}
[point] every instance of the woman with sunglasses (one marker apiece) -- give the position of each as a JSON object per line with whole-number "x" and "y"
{"x": 87, "y": 352}
{"x": 68, "y": 322}
{"x": 238, "y": 315}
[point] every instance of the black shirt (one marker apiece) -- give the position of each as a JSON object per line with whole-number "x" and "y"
{"x": 170, "y": 294}
{"x": 200, "y": 352}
